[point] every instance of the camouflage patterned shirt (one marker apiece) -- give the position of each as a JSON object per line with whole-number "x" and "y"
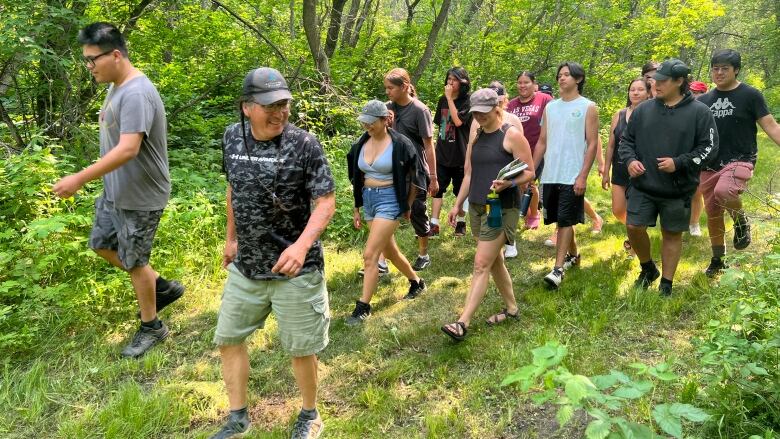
{"x": 273, "y": 184}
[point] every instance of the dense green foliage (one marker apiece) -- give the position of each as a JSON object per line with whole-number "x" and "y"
{"x": 62, "y": 309}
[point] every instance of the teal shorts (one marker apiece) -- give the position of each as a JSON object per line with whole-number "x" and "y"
{"x": 300, "y": 305}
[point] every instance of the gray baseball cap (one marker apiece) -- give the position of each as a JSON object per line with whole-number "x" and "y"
{"x": 483, "y": 100}
{"x": 266, "y": 86}
{"x": 372, "y": 111}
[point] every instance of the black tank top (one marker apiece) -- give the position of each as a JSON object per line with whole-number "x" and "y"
{"x": 488, "y": 156}
{"x": 618, "y": 131}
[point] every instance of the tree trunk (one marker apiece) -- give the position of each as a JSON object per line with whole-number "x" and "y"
{"x": 362, "y": 19}
{"x": 334, "y": 27}
{"x": 349, "y": 23}
{"x": 410, "y": 11}
{"x": 292, "y": 19}
{"x": 432, "y": 36}
{"x": 312, "y": 28}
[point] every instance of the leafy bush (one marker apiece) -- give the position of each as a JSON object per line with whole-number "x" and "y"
{"x": 739, "y": 357}
{"x": 48, "y": 276}
{"x": 603, "y": 397}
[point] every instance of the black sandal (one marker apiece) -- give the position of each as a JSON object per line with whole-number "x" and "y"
{"x": 454, "y": 335}
{"x": 506, "y": 315}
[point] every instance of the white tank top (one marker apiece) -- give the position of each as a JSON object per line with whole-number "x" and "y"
{"x": 566, "y": 143}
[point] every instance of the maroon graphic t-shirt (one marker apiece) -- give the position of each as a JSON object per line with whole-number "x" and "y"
{"x": 530, "y": 114}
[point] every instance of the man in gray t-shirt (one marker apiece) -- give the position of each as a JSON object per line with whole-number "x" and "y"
{"x": 136, "y": 185}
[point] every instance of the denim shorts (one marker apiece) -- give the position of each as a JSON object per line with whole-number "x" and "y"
{"x": 380, "y": 202}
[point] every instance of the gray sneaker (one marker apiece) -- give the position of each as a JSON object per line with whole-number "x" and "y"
{"x": 307, "y": 429}
{"x": 235, "y": 426}
{"x": 421, "y": 263}
{"x": 143, "y": 340}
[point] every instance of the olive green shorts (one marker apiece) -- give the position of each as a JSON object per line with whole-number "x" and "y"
{"x": 483, "y": 232}
{"x": 300, "y": 306}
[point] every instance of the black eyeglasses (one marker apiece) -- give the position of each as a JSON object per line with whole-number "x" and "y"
{"x": 90, "y": 60}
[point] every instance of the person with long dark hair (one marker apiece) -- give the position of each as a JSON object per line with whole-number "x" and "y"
{"x": 412, "y": 118}
{"x": 529, "y": 107}
{"x": 384, "y": 169}
{"x": 497, "y": 144}
{"x": 638, "y": 92}
{"x": 453, "y": 119}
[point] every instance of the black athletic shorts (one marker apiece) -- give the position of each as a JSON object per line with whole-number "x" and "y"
{"x": 419, "y": 215}
{"x": 642, "y": 209}
{"x": 446, "y": 175}
{"x": 562, "y": 206}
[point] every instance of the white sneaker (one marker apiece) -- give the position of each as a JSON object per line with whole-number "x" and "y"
{"x": 510, "y": 251}
{"x": 695, "y": 229}
{"x": 554, "y": 278}
{"x": 571, "y": 261}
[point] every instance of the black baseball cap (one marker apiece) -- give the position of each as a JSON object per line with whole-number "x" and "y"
{"x": 670, "y": 69}
{"x": 546, "y": 89}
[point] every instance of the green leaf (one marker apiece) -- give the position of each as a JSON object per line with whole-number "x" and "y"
{"x": 565, "y": 412}
{"x": 525, "y": 373}
{"x": 756, "y": 370}
{"x": 577, "y": 388}
{"x": 604, "y": 381}
{"x": 549, "y": 355}
{"x": 628, "y": 392}
{"x": 623, "y": 378}
{"x": 669, "y": 422}
{"x": 541, "y": 398}
{"x": 641, "y": 368}
{"x": 689, "y": 412}
{"x": 597, "y": 429}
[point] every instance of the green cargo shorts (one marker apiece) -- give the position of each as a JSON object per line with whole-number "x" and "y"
{"x": 483, "y": 232}
{"x": 300, "y": 305}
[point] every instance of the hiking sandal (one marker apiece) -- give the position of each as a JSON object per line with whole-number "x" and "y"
{"x": 453, "y": 334}
{"x": 494, "y": 319}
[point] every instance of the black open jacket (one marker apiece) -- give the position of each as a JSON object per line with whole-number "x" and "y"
{"x": 408, "y": 170}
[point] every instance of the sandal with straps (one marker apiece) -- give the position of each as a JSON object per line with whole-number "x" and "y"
{"x": 453, "y": 334}
{"x": 494, "y": 319}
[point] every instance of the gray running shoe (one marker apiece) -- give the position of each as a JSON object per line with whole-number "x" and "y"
{"x": 360, "y": 314}
{"x": 143, "y": 340}
{"x": 307, "y": 429}
{"x": 235, "y": 426}
{"x": 421, "y": 263}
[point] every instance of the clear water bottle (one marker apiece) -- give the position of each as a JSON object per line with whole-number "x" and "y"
{"x": 494, "y": 210}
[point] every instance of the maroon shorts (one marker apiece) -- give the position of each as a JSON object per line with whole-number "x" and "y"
{"x": 720, "y": 187}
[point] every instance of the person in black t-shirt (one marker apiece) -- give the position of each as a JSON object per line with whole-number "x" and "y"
{"x": 453, "y": 118}
{"x": 736, "y": 108}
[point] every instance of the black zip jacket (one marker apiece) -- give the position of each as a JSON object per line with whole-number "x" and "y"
{"x": 407, "y": 169}
{"x": 686, "y": 132}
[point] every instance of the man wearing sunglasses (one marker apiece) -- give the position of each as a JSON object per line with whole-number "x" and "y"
{"x": 136, "y": 185}
{"x": 275, "y": 172}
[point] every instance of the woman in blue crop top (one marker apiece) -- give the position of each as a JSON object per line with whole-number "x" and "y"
{"x": 386, "y": 173}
